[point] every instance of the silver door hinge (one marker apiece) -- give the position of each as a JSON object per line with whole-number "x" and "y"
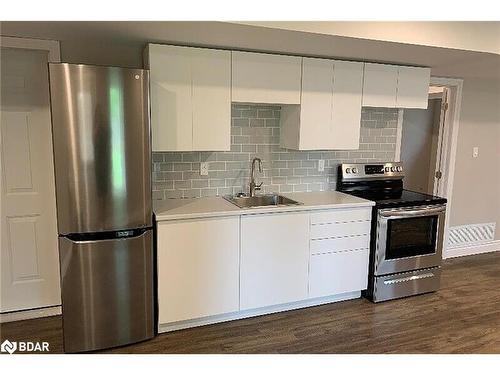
{"x": 439, "y": 174}
{"x": 445, "y": 106}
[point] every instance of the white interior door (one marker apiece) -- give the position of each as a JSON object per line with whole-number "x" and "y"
{"x": 29, "y": 252}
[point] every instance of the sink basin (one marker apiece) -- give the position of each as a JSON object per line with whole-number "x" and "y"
{"x": 267, "y": 200}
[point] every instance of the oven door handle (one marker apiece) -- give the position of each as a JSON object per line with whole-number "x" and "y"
{"x": 411, "y": 213}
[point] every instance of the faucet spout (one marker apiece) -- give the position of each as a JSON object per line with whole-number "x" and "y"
{"x": 253, "y": 185}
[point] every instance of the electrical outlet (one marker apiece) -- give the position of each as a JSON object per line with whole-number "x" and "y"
{"x": 321, "y": 165}
{"x": 475, "y": 152}
{"x": 204, "y": 169}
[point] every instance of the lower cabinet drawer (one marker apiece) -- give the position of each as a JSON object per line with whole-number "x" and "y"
{"x": 355, "y": 228}
{"x": 341, "y": 216}
{"x": 333, "y": 245}
{"x": 338, "y": 273}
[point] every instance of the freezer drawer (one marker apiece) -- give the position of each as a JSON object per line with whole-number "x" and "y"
{"x": 107, "y": 292}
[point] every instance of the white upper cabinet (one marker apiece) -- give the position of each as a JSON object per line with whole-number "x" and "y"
{"x": 347, "y": 97}
{"x": 413, "y": 87}
{"x": 394, "y": 86}
{"x": 380, "y": 85}
{"x": 190, "y": 98}
{"x": 329, "y": 117}
{"x": 211, "y": 100}
{"x": 192, "y": 89}
{"x": 171, "y": 100}
{"x": 265, "y": 78}
{"x": 316, "y": 104}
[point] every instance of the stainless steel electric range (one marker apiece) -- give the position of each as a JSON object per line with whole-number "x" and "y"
{"x": 407, "y": 231}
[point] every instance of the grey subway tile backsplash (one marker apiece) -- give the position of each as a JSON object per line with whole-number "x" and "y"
{"x": 255, "y": 133}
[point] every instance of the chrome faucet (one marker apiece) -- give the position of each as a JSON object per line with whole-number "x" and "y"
{"x": 253, "y": 185}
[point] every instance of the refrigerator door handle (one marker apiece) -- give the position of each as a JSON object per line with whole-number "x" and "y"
{"x": 103, "y": 236}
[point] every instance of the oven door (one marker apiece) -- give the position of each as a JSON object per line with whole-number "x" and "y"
{"x": 408, "y": 238}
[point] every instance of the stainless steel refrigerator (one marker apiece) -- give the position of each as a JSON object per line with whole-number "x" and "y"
{"x": 102, "y": 154}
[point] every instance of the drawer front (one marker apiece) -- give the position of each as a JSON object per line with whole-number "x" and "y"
{"x": 335, "y": 245}
{"x": 341, "y": 216}
{"x": 356, "y": 228}
{"x": 332, "y": 274}
{"x": 406, "y": 284}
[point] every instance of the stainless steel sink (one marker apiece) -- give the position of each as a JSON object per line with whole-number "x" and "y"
{"x": 265, "y": 200}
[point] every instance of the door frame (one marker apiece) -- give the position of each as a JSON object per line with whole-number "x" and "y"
{"x": 54, "y": 55}
{"x": 448, "y": 140}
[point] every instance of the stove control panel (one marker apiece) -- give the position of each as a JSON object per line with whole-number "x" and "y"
{"x": 372, "y": 171}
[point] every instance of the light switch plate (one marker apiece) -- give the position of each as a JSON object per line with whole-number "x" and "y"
{"x": 204, "y": 169}
{"x": 475, "y": 152}
{"x": 321, "y": 165}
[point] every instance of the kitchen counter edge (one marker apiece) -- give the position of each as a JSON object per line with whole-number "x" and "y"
{"x": 207, "y": 207}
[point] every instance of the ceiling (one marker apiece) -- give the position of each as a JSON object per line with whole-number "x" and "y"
{"x": 465, "y": 35}
{"x": 122, "y": 43}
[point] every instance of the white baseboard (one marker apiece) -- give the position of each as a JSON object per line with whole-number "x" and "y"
{"x": 30, "y": 314}
{"x": 486, "y": 247}
{"x": 168, "y": 327}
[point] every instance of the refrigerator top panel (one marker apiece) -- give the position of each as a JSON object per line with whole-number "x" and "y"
{"x": 102, "y": 151}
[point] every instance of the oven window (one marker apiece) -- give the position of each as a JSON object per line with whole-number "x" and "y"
{"x": 411, "y": 237}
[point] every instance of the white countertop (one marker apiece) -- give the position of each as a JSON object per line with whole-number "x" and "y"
{"x": 173, "y": 209}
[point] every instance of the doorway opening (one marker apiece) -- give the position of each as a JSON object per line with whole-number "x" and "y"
{"x": 427, "y": 142}
{"x": 421, "y": 142}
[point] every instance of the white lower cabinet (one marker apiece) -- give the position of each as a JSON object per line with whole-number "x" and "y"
{"x": 198, "y": 268}
{"x": 274, "y": 259}
{"x": 213, "y": 266}
{"x": 336, "y": 273}
{"x": 339, "y": 246}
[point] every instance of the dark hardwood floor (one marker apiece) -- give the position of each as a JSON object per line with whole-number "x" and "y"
{"x": 463, "y": 317}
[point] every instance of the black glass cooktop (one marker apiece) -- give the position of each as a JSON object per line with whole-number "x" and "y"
{"x": 400, "y": 198}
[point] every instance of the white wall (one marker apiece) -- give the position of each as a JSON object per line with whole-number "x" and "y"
{"x": 476, "y": 188}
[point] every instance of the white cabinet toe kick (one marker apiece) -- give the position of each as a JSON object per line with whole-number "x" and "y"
{"x": 218, "y": 269}
{"x": 183, "y": 324}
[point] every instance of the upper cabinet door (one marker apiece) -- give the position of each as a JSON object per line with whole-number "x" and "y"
{"x": 265, "y": 78}
{"x": 316, "y": 104}
{"x": 190, "y": 98}
{"x": 171, "y": 98}
{"x": 380, "y": 85}
{"x": 211, "y": 72}
{"x": 413, "y": 87}
{"x": 347, "y": 97}
{"x": 330, "y": 111}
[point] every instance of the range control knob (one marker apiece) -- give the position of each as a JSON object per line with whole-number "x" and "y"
{"x": 355, "y": 170}
{"x": 387, "y": 169}
{"x": 393, "y": 169}
{"x": 399, "y": 168}
{"x": 348, "y": 170}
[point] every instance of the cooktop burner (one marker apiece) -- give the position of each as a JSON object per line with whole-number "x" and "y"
{"x": 402, "y": 198}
